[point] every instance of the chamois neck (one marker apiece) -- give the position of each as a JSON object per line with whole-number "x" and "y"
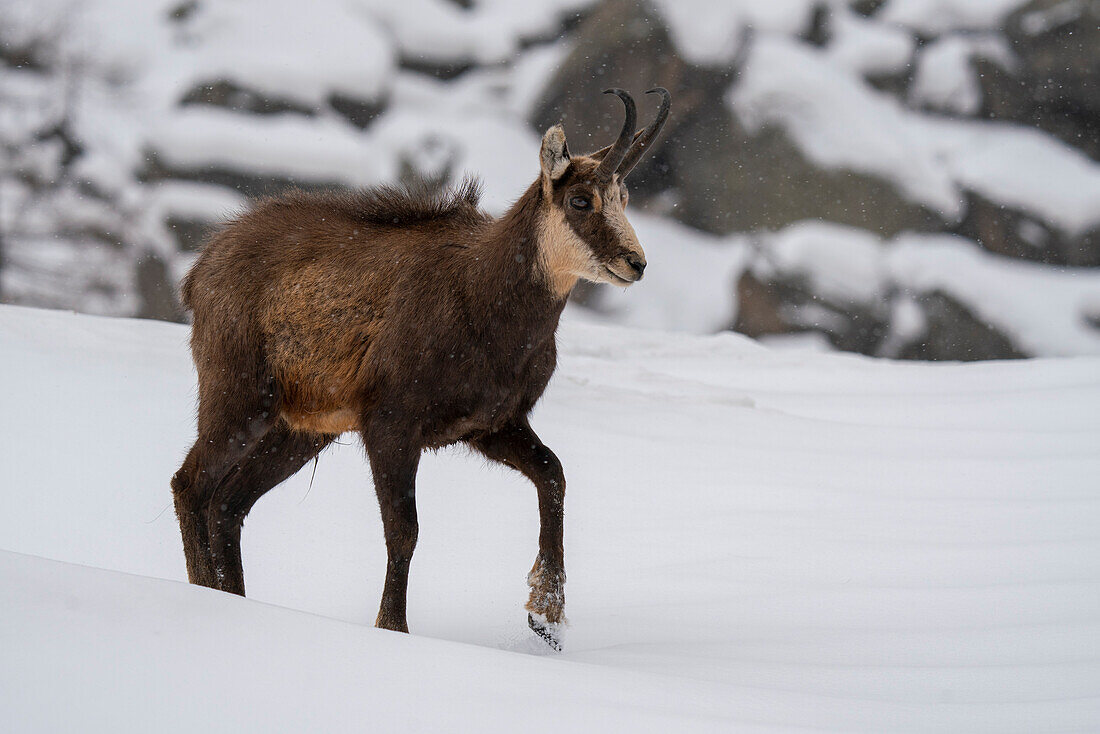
{"x": 515, "y": 238}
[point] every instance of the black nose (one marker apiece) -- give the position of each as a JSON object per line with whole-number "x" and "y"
{"x": 635, "y": 262}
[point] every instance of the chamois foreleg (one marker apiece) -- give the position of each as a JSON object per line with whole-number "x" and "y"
{"x": 277, "y": 456}
{"x": 519, "y": 447}
{"x": 393, "y": 463}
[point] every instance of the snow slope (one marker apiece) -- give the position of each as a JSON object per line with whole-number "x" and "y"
{"x": 756, "y": 540}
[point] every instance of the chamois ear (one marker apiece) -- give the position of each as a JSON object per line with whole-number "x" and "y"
{"x": 554, "y": 155}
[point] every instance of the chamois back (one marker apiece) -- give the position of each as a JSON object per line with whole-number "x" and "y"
{"x": 378, "y": 206}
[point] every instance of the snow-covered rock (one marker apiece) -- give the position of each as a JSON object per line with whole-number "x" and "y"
{"x": 128, "y": 129}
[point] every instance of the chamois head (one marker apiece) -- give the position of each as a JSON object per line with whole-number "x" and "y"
{"x": 584, "y": 232}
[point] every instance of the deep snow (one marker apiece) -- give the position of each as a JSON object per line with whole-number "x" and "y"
{"x": 755, "y": 540}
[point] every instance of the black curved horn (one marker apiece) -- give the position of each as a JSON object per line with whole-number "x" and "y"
{"x": 614, "y": 157}
{"x": 646, "y": 137}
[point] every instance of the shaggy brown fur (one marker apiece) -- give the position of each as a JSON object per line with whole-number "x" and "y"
{"x": 415, "y": 321}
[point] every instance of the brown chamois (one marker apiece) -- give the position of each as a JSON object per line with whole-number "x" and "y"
{"x": 418, "y": 322}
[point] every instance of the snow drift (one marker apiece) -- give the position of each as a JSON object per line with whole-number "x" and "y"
{"x": 756, "y": 541}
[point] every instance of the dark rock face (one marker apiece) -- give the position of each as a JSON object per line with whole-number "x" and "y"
{"x": 157, "y": 289}
{"x": 623, "y": 44}
{"x": 231, "y": 96}
{"x": 954, "y": 332}
{"x": 444, "y": 70}
{"x": 358, "y": 112}
{"x": 867, "y": 7}
{"x": 759, "y": 308}
{"x": 784, "y": 304}
{"x": 1056, "y": 86}
{"x": 763, "y": 181}
{"x": 787, "y": 304}
{"x": 1019, "y": 235}
{"x": 189, "y": 234}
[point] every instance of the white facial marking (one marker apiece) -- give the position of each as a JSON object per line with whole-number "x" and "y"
{"x": 563, "y": 255}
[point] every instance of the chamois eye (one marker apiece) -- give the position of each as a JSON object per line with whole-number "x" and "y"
{"x": 580, "y": 202}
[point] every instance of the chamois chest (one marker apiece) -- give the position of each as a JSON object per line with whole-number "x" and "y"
{"x": 472, "y": 380}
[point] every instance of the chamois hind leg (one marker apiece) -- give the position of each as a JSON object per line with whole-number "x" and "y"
{"x": 190, "y": 502}
{"x": 232, "y": 418}
{"x": 393, "y": 463}
{"x": 276, "y": 457}
{"x": 518, "y": 447}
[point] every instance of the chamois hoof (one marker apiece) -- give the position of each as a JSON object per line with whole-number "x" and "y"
{"x": 550, "y": 632}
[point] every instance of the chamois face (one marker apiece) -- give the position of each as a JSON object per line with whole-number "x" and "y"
{"x": 585, "y": 233}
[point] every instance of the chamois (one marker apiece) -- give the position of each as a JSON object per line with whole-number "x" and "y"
{"x": 418, "y": 321}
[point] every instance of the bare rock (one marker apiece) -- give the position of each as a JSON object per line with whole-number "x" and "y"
{"x": 899, "y": 324}
{"x": 1054, "y": 86}
{"x": 231, "y": 96}
{"x": 738, "y": 181}
{"x": 156, "y": 289}
{"x": 624, "y": 44}
{"x": 954, "y": 332}
{"x": 1017, "y": 234}
{"x": 785, "y": 304}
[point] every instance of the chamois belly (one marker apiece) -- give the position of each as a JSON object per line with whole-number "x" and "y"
{"x": 320, "y": 381}
{"x": 317, "y": 339}
{"x": 331, "y": 422}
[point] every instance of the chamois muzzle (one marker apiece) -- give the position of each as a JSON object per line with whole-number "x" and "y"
{"x": 625, "y": 269}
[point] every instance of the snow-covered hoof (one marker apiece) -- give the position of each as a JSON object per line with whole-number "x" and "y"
{"x": 546, "y": 605}
{"x": 550, "y": 632}
{"x": 547, "y": 597}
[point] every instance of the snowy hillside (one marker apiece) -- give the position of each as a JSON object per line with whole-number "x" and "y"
{"x": 755, "y": 540}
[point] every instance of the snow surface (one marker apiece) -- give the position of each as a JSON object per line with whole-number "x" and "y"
{"x": 490, "y": 31}
{"x": 945, "y": 79}
{"x": 307, "y": 50}
{"x": 326, "y": 151}
{"x": 756, "y": 540}
{"x": 708, "y": 33}
{"x": 868, "y": 47}
{"x": 940, "y": 16}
